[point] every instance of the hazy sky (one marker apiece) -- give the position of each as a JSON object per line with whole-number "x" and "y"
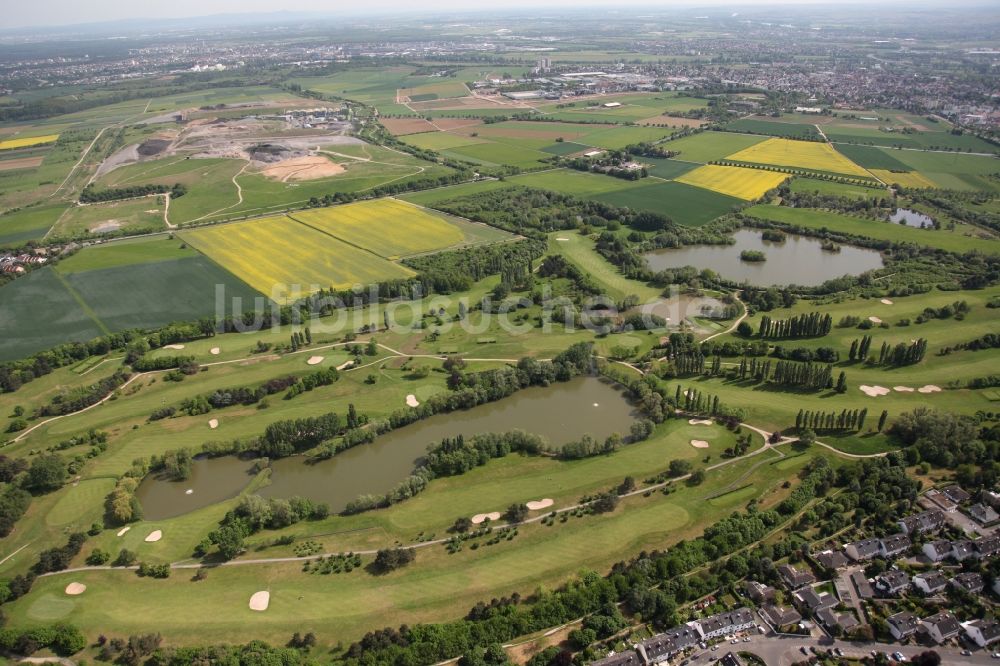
{"x": 63, "y": 12}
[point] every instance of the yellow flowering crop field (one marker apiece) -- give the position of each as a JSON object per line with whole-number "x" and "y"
{"x": 802, "y": 154}
{"x": 740, "y": 182}
{"x": 24, "y": 142}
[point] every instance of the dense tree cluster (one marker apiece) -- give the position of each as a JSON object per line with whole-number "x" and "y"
{"x": 77, "y": 399}
{"x": 458, "y": 270}
{"x": 847, "y": 419}
{"x": 90, "y": 194}
{"x": 255, "y": 513}
{"x": 809, "y": 325}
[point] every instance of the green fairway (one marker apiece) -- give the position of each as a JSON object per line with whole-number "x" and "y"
{"x": 580, "y": 250}
{"x": 817, "y": 219}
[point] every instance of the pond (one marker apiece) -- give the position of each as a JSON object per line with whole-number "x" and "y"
{"x": 797, "y": 260}
{"x": 911, "y": 218}
{"x": 561, "y": 413}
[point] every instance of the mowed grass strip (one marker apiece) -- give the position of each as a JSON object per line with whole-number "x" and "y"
{"x": 387, "y": 227}
{"x": 11, "y": 144}
{"x": 802, "y": 154}
{"x": 737, "y": 182}
{"x": 276, "y": 252}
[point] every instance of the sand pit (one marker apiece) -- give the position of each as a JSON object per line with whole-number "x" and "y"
{"x": 189, "y": 491}
{"x": 173, "y": 346}
{"x": 480, "y": 517}
{"x": 699, "y": 443}
{"x": 345, "y": 365}
{"x": 213, "y": 423}
{"x": 875, "y": 320}
{"x": 310, "y": 167}
{"x": 411, "y": 401}
{"x": 929, "y": 388}
{"x": 886, "y": 301}
{"x": 874, "y": 391}
{"x": 154, "y": 536}
{"x": 700, "y": 421}
{"x": 260, "y": 600}
{"x": 214, "y": 351}
{"x": 123, "y": 530}
{"x": 539, "y": 504}
{"x": 562, "y": 239}
{"x": 314, "y": 360}
{"x": 74, "y": 589}
{"x": 903, "y": 389}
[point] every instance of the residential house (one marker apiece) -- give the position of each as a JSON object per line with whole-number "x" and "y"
{"x": 894, "y": 545}
{"x": 730, "y": 659}
{"x": 780, "y": 616}
{"x": 941, "y": 626}
{"x": 807, "y": 599}
{"x": 983, "y": 632}
{"x": 862, "y": 585}
{"x": 794, "y": 578}
{"x": 969, "y": 581}
{"x": 902, "y": 625}
{"x": 963, "y": 549}
{"x": 831, "y": 559}
{"x": 927, "y": 521}
{"x": 859, "y": 551}
{"x": 837, "y": 621}
{"x": 662, "y": 647}
{"x": 892, "y": 582}
{"x": 941, "y": 500}
{"x": 987, "y": 546}
{"x": 957, "y": 494}
{"x": 984, "y": 515}
{"x": 992, "y": 498}
{"x": 937, "y": 550}
{"x": 721, "y": 624}
{"x": 759, "y": 592}
{"x": 930, "y": 582}
{"x": 624, "y": 658}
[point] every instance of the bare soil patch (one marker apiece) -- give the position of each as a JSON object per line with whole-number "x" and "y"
{"x": 401, "y": 126}
{"x": 21, "y": 163}
{"x": 455, "y": 123}
{"x": 309, "y": 167}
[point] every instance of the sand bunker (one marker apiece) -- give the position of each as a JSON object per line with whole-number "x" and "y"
{"x": 123, "y": 530}
{"x": 189, "y": 491}
{"x": 903, "y": 389}
{"x": 345, "y": 364}
{"x": 886, "y": 301}
{"x": 700, "y": 421}
{"x": 411, "y": 401}
{"x": 74, "y": 589}
{"x": 562, "y": 239}
{"x": 874, "y": 391}
{"x": 539, "y": 504}
{"x": 154, "y": 536}
{"x": 213, "y": 423}
{"x": 314, "y": 360}
{"x": 875, "y": 320}
{"x": 309, "y": 167}
{"x": 260, "y": 600}
{"x": 173, "y": 346}
{"x": 929, "y": 388}
{"x": 699, "y": 443}
{"x": 214, "y": 351}
{"x": 480, "y": 517}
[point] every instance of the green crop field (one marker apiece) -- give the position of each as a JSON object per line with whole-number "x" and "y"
{"x": 667, "y": 169}
{"x": 685, "y": 204}
{"x": 786, "y": 130}
{"x": 498, "y": 154}
{"x": 575, "y": 183}
{"x": 871, "y": 158}
{"x": 28, "y": 224}
{"x": 709, "y": 146}
{"x": 813, "y": 185}
{"x": 125, "y": 253}
{"x": 817, "y": 219}
{"x": 916, "y": 140}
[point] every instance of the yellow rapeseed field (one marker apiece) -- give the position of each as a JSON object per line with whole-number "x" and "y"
{"x": 802, "y": 154}
{"x": 907, "y": 179}
{"x": 388, "y": 227}
{"x": 10, "y": 144}
{"x": 279, "y": 251}
{"x": 738, "y": 182}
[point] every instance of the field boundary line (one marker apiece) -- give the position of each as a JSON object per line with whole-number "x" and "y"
{"x": 87, "y": 310}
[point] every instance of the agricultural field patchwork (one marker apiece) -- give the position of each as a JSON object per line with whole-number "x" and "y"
{"x": 802, "y": 154}
{"x": 685, "y": 204}
{"x": 909, "y": 179}
{"x": 737, "y": 182}
{"x": 279, "y": 253}
{"x": 710, "y": 146}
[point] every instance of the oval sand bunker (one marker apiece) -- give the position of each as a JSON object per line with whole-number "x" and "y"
{"x": 411, "y": 401}
{"x": 154, "y": 536}
{"x": 214, "y": 351}
{"x": 699, "y": 443}
{"x": 314, "y": 360}
{"x": 480, "y": 517}
{"x": 700, "y": 421}
{"x": 74, "y": 589}
{"x": 260, "y": 600}
{"x": 539, "y": 504}
{"x": 213, "y": 423}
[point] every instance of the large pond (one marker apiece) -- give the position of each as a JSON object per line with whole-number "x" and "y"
{"x": 561, "y": 413}
{"x": 911, "y": 218}
{"x": 798, "y": 260}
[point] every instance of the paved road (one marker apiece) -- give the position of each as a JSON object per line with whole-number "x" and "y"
{"x": 782, "y": 650}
